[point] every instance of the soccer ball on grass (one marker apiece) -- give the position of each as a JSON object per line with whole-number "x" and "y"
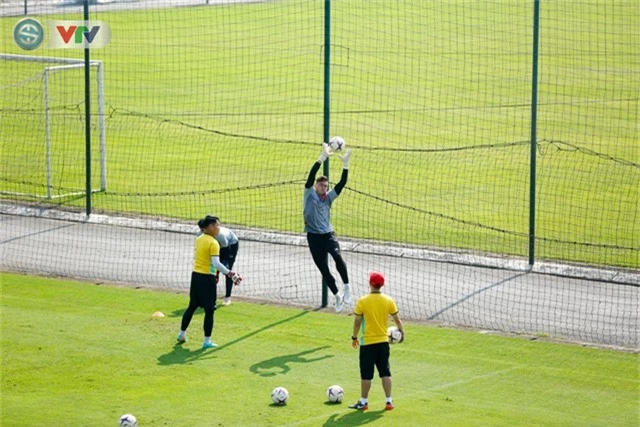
{"x": 335, "y": 394}
{"x": 128, "y": 420}
{"x": 336, "y": 143}
{"x": 280, "y": 396}
{"x": 394, "y": 335}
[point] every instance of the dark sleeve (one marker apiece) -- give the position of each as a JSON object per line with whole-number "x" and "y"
{"x": 312, "y": 175}
{"x": 343, "y": 181}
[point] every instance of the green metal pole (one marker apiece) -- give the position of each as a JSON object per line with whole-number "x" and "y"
{"x": 534, "y": 119}
{"x": 87, "y": 109}
{"x": 327, "y": 104}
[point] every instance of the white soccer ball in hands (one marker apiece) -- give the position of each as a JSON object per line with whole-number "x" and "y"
{"x": 336, "y": 143}
{"x": 395, "y": 336}
{"x": 335, "y": 394}
{"x": 280, "y": 396}
{"x": 128, "y": 420}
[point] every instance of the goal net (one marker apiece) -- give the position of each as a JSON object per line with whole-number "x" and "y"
{"x": 221, "y": 110}
{"x": 46, "y": 158}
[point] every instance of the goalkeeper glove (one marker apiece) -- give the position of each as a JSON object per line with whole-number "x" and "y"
{"x": 345, "y": 159}
{"x": 324, "y": 155}
{"x": 235, "y": 277}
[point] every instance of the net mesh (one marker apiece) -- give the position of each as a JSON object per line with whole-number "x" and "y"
{"x": 218, "y": 108}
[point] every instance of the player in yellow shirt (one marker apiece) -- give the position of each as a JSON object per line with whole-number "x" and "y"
{"x": 372, "y": 313}
{"x": 202, "y": 292}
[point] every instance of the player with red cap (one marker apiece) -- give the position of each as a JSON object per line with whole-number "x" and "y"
{"x": 376, "y": 279}
{"x": 375, "y": 308}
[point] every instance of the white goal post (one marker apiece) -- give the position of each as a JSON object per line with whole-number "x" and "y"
{"x": 67, "y": 64}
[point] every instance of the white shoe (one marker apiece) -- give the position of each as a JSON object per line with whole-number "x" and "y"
{"x": 226, "y": 301}
{"x": 338, "y": 303}
{"x": 347, "y": 294}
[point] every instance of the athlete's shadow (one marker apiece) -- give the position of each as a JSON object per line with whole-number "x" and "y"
{"x": 180, "y": 354}
{"x": 176, "y": 313}
{"x": 280, "y": 364}
{"x": 355, "y": 418}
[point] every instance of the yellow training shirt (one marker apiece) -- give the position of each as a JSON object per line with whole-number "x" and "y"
{"x": 375, "y": 309}
{"x": 206, "y": 247}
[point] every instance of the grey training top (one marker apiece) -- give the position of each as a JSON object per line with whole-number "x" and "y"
{"x": 317, "y": 212}
{"x": 226, "y": 237}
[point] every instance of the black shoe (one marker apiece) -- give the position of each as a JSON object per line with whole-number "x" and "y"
{"x": 359, "y": 405}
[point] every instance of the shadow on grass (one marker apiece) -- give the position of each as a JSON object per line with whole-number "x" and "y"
{"x": 180, "y": 354}
{"x": 280, "y": 365}
{"x": 176, "y": 313}
{"x": 278, "y": 405}
{"x": 355, "y": 418}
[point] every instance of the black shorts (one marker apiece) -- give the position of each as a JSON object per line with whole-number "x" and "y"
{"x": 374, "y": 355}
{"x": 323, "y": 243}
{"x": 202, "y": 292}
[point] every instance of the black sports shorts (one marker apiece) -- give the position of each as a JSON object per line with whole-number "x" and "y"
{"x": 374, "y": 355}
{"x": 202, "y": 292}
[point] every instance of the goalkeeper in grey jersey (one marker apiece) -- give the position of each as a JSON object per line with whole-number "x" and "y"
{"x": 317, "y": 201}
{"x": 229, "y": 246}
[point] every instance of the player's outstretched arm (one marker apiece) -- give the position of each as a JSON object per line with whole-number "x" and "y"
{"x": 324, "y": 155}
{"x": 215, "y": 260}
{"x": 345, "y": 172}
{"x": 312, "y": 175}
{"x": 236, "y": 278}
{"x": 345, "y": 159}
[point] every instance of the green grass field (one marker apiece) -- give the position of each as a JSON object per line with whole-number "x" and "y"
{"x": 81, "y": 354}
{"x": 189, "y": 85}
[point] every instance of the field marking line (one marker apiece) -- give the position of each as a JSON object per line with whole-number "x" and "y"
{"x": 471, "y": 379}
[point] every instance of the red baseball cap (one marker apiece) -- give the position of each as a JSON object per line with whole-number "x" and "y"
{"x": 376, "y": 279}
